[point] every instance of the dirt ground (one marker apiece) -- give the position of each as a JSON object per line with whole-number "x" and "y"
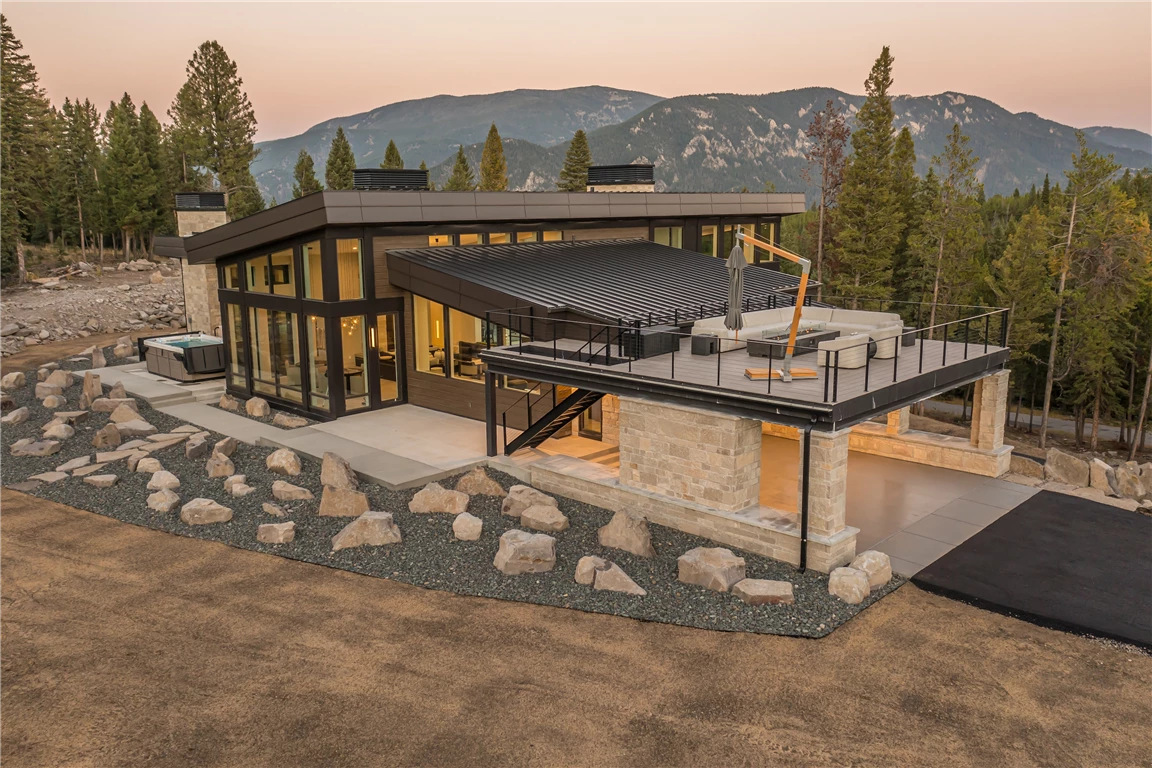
{"x": 126, "y": 646}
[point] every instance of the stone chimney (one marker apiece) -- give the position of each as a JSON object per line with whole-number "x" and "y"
{"x": 197, "y": 212}
{"x": 621, "y": 178}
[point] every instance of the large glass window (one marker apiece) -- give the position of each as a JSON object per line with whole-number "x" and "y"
{"x": 708, "y": 240}
{"x": 260, "y": 341}
{"x": 275, "y": 353}
{"x": 552, "y": 236}
{"x": 283, "y": 273}
{"x": 499, "y": 238}
{"x": 438, "y": 240}
{"x": 350, "y": 270}
{"x": 238, "y": 369}
{"x": 354, "y": 337}
{"x": 673, "y": 236}
{"x": 467, "y": 334}
{"x": 470, "y": 239}
{"x": 730, "y": 240}
{"x": 257, "y": 274}
{"x": 313, "y": 271}
{"x": 231, "y": 274}
{"x": 388, "y": 354}
{"x": 527, "y": 237}
{"x": 317, "y": 362}
{"x": 287, "y": 356}
{"x": 428, "y": 322}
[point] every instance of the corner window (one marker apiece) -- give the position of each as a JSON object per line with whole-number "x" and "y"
{"x": 349, "y": 268}
{"x": 283, "y": 273}
{"x": 439, "y": 240}
{"x": 354, "y": 333}
{"x": 670, "y": 236}
{"x": 231, "y": 276}
{"x": 238, "y": 367}
{"x": 313, "y": 271}
{"x": 275, "y": 353}
{"x": 428, "y": 322}
{"x": 467, "y": 333}
{"x": 257, "y": 274}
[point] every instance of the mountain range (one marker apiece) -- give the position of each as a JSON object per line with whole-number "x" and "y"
{"x": 709, "y": 142}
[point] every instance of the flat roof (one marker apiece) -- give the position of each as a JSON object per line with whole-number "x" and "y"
{"x": 380, "y": 207}
{"x": 607, "y": 279}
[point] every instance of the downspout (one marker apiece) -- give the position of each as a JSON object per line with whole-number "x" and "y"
{"x": 804, "y": 497}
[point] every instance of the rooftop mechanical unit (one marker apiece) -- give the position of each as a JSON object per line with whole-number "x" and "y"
{"x": 390, "y": 178}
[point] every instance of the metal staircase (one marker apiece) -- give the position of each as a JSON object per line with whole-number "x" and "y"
{"x": 551, "y": 422}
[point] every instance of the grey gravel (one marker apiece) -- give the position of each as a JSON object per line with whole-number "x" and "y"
{"x": 430, "y": 555}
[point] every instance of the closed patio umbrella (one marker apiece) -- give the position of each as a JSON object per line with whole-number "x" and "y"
{"x": 734, "y": 320}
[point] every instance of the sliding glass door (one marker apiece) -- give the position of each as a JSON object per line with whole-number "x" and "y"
{"x": 390, "y": 359}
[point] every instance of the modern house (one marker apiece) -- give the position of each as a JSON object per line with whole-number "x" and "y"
{"x": 598, "y": 314}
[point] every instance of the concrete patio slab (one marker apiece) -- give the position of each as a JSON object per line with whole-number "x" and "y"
{"x": 920, "y": 551}
{"x": 156, "y": 390}
{"x": 972, "y": 512}
{"x": 944, "y": 529}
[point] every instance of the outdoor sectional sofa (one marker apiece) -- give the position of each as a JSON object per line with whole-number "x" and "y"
{"x": 856, "y": 328}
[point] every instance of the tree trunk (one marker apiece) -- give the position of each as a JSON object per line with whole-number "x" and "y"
{"x": 1095, "y": 442}
{"x": 820, "y": 235}
{"x": 21, "y": 270}
{"x": 1049, "y": 378}
{"x": 83, "y": 242}
{"x": 1031, "y": 407}
{"x": 127, "y": 246}
{"x": 1138, "y": 428}
{"x": 936, "y": 290}
{"x": 1016, "y": 421}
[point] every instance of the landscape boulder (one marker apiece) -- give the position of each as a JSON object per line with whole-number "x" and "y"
{"x": 606, "y": 576}
{"x": 877, "y": 565}
{"x": 229, "y": 403}
{"x": 371, "y": 529}
{"x": 149, "y": 465}
{"x": 477, "y": 483}
{"x": 164, "y": 500}
{"x": 435, "y": 498}
{"x": 1129, "y": 483}
{"x": 59, "y": 432}
{"x": 1101, "y": 476}
{"x": 276, "y": 533}
{"x": 135, "y": 428}
{"x": 74, "y": 464}
{"x": 520, "y": 497}
{"x": 101, "y": 481}
{"x": 849, "y": 584}
{"x": 628, "y": 532}
{"x": 257, "y": 407}
{"x": 232, "y": 481}
{"x": 44, "y": 389}
{"x": 337, "y": 472}
{"x": 118, "y": 392}
{"x": 1026, "y": 466}
{"x": 54, "y": 401}
{"x": 98, "y": 359}
{"x": 6, "y": 403}
{"x": 29, "y": 447}
{"x": 13, "y": 381}
{"x": 226, "y": 446}
{"x": 523, "y": 552}
{"x": 122, "y": 349}
{"x": 544, "y": 517}
{"x": 204, "y": 512}
{"x": 18, "y": 416}
{"x": 288, "y": 421}
{"x": 91, "y": 390}
{"x": 467, "y": 527}
{"x": 219, "y": 465}
{"x": 196, "y": 448}
{"x": 124, "y": 413}
{"x": 60, "y": 378}
{"x": 284, "y": 461}
{"x": 341, "y": 502}
{"x": 285, "y": 491}
{"x": 764, "y": 592}
{"x": 163, "y": 480}
{"x": 714, "y": 568}
{"x": 107, "y": 436}
{"x": 274, "y": 509}
{"x": 110, "y": 404}
{"x": 1065, "y": 468}
{"x": 586, "y": 568}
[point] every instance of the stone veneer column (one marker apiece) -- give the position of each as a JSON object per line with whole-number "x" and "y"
{"x": 695, "y": 455}
{"x": 201, "y": 301}
{"x": 898, "y": 421}
{"x": 610, "y": 420}
{"x": 827, "y": 481}
{"x": 989, "y": 409}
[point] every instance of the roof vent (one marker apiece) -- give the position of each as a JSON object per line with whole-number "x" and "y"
{"x": 390, "y": 178}
{"x": 621, "y": 178}
{"x": 200, "y": 201}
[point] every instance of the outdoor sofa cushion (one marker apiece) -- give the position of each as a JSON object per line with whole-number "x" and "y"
{"x": 853, "y": 351}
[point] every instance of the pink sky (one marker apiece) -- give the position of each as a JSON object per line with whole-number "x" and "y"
{"x": 1076, "y": 63}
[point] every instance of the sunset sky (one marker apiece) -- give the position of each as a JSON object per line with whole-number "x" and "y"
{"x": 1077, "y": 63}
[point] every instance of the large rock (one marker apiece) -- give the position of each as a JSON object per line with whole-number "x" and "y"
{"x": 91, "y": 390}
{"x": 477, "y": 483}
{"x": 467, "y": 527}
{"x": 219, "y": 465}
{"x": 258, "y": 407}
{"x": 163, "y": 501}
{"x": 60, "y": 378}
{"x": 233, "y": 481}
{"x": 627, "y": 532}
{"x": 6, "y": 403}
{"x": 1129, "y": 483}
{"x": 1101, "y": 476}
{"x": 710, "y": 567}
{"x": 371, "y": 529}
{"x": 44, "y": 389}
{"x": 109, "y": 404}
{"x": 204, "y": 512}
{"x": 122, "y": 349}
{"x": 149, "y": 465}
{"x": 118, "y": 392}
{"x": 520, "y": 497}
{"x": 135, "y": 428}
{"x": 29, "y": 447}
{"x": 54, "y": 401}
{"x": 586, "y": 568}
{"x": 1026, "y": 466}
{"x": 337, "y": 472}
{"x": 18, "y": 416}
{"x": 849, "y": 584}
{"x": 764, "y": 592}
{"x": 124, "y": 413}
{"x": 544, "y": 517}
{"x": 163, "y": 480}
{"x": 435, "y": 498}
{"x": 606, "y": 576}
{"x": 276, "y": 533}
{"x": 341, "y": 502}
{"x": 98, "y": 359}
{"x": 877, "y": 565}
{"x": 226, "y": 446}
{"x": 196, "y": 448}
{"x": 12, "y": 381}
{"x": 1065, "y": 468}
{"x": 101, "y": 481}
{"x": 285, "y": 491}
{"x": 284, "y": 462}
{"x": 229, "y": 403}
{"x": 59, "y": 432}
{"x": 287, "y": 421}
{"x": 523, "y": 552}
{"x": 107, "y": 436}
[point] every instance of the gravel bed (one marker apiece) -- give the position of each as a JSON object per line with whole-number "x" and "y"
{"x": 429, "y": 555}
{"x": 267, "y": 419}
{"x": 110, "y": 361}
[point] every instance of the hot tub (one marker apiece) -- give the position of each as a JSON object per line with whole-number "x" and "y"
{"x": 184, "y": 356}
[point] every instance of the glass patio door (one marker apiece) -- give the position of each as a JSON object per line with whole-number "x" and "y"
{"x": 386, "y": 353}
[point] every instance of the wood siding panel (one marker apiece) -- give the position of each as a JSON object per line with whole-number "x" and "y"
{"x": 380, "y": 246}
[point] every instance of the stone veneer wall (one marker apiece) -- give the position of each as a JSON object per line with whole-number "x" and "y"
{"x": 201, "y": 301}
{"x": 827, "y": 481}
{"x": 189, "y": 223}
{"x": 690, "y": 454}
{"x": 610, "y": 420}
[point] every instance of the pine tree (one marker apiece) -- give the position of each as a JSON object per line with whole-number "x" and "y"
{"x": 126, "y": 172}
{"x": 905, "y": 186}
{"x": 156, "y": 190}
{"x": 493, "y": 167}
{"x": 392, "y": 159}
{"x": 574, "y": 174}
{"x": 869, "y": 221}
{"x": 341, "y": 163}
{"x": 213, "y": 126}
{"x": 462, "y": 178}
{"x": 305, "y": 176}
{"x": 1045, "y": 193}
{"x": 431, "y": 185}
{"x": 78, "y": 167}
{"x": 827, "y": 136}
{"x": 1021, "y": 283}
